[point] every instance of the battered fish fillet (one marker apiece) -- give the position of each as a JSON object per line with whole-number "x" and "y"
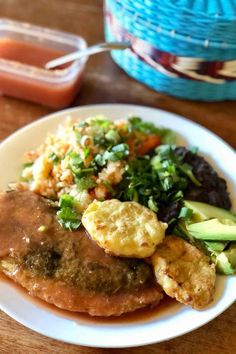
{"x": 66, "y": 268}
{"x": 184, "y": 272}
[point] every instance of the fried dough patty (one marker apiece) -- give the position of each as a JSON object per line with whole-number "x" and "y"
{"x": 67, "y": 268}
{"x": 184, "y": 272}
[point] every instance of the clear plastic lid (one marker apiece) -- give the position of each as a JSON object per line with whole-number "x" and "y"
{"x": 43, "y": 37}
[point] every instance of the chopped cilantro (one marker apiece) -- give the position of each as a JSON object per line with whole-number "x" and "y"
{"x": 100, "y": 122}
{"x": 75, "y": 159}
{"x": 86, "y": 152}
{"x": 156, "y": 182}
{"x": 167, "y": 162}
{"x": 115, "y": 153}
{"x": 67, "y": 215}
{"x": 85, "y": 183}
{"x": 66, "y": 200}
{"x": 78, "y": 136}
{"x": 152, "y": 204}
{"x": 112, "y": 136}
{"x": 136, "y": 123}
{"x": 187, "y": 170}
{"x": 81, "y": 124}
{"x": 76, "y": 163}
{"x": 100, "y": 160}
{"x": 24, "y": 166}
{"x": 167, "y": 136}
{"x": 27, "y": 164}
{"x": 54, "y": 157}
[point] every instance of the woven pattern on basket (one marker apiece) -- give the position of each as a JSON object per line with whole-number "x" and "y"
{"x": 183, "y": 17}
{"x": 178, "y": 34}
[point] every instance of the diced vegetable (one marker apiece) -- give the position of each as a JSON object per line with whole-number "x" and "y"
{"x": 150, "y": 143}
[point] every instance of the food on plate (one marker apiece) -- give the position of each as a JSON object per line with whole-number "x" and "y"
{"x": 212, "y": 229}
{"x": 202, "y": 211}
{"x": 97, "y": 159}
{"x": 226, "y": 260}
{"x": 67, "y": 268}
{"x": 184, "y": 272}
{"x": 212, "y": 188}
{"x": 125, "y": 229}
{"x": 87, "y": 226}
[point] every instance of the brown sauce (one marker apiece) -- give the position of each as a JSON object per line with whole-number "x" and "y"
{"x": 165, "y": 307}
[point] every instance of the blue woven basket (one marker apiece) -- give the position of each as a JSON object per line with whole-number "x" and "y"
{"x": 185, "y": 48}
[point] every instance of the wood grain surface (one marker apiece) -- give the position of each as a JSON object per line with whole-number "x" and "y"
{"x": 104, "y": 82}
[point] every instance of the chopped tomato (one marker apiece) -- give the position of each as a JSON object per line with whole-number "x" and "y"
{"x": 141, "y": 144}
{"x": 151, "y": 141}
{"x": 131, "y": 145}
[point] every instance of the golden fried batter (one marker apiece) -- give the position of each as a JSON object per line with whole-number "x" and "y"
{"x": 184, "y": 272}
{"x": 126, "y": 229}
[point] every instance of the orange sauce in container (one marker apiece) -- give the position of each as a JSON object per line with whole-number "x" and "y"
{"x": 27, "y": 53}
{"x": 24, "y": 50}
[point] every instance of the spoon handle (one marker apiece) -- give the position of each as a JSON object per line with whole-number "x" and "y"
{"x": 98, "y": 48}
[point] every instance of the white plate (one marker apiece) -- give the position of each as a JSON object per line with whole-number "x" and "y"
{"x": 171, "y": 322}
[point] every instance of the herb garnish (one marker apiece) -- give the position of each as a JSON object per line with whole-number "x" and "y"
{"x": 114, "y": 153}
{"x": 54, "y": 157}
{"x": 67, "y": 214}
{"x": 156, "y": 181}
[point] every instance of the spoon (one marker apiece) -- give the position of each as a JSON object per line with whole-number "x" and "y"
{"x": 98, "y": 48}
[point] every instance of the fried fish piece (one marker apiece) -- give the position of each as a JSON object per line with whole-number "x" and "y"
{"x": 184, "y": 272}
{"x": 66, "y": 268}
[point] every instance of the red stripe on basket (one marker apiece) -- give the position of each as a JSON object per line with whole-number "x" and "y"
{"x": 175, "y": 66}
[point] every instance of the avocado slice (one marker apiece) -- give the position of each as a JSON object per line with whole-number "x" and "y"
{"x": 215, "y": 247}
{"x": 213, "y": 230}
{"x": 226, "y": 261}
{"x": 202, "y": 211}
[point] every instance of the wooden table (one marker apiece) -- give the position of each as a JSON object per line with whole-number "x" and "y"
{"x": 105, "y": 82}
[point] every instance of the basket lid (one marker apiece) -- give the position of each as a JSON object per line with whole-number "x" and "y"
{"x": 222, "y": 9}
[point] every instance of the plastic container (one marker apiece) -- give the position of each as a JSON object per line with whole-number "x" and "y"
{"x": 24, "y": 49}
